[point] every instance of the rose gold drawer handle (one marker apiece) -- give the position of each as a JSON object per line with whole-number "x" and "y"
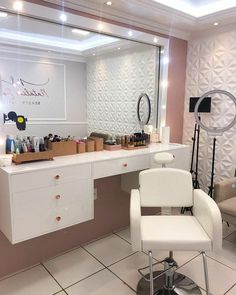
{"x": 58, "y": 218}
{"x": 57, "y": 177}
{"x": 57, "y": 197}
{"x": 125, "y": 165}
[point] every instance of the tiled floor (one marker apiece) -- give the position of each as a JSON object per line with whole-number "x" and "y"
{"x": 108, "y": 266}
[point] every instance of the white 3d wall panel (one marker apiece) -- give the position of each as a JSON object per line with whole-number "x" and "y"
{"x": 114, "y": 83}
{"x": 211, "y": 64}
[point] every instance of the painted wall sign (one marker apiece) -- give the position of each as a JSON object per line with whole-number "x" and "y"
{"x": 33, "y": 88}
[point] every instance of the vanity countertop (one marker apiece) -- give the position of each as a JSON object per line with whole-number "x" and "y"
{"x": 90, "y": 158}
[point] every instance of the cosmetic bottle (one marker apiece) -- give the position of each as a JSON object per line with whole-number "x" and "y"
{"x": 10, "y": 144}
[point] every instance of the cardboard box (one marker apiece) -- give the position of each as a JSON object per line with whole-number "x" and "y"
{"x": 90, "y": 145}
{"x": 63, "y": 148}
{"x": 81, "y": 147}
{"x": 98, "y": 143}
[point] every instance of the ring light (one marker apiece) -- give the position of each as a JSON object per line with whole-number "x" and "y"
{"x": 214, "y": 130}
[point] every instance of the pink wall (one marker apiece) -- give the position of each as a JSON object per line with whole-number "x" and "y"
{"x": 112, "y": 205}
{"x": 176, "y": 88}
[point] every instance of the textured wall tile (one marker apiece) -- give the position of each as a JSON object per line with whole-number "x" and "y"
{"x": 114, "y": 83}
{"x": 211, "y": 65}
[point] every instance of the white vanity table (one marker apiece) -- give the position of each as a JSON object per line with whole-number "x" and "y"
{"x": 42, "y": 197}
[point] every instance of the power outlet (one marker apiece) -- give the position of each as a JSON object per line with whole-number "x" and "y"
{"x": 95, "y": 194}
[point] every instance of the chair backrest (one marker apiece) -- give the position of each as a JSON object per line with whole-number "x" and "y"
{"x": 167, "y": 187}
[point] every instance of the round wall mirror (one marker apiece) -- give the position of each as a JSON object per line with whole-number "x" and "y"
{"x": 144, "y": 109}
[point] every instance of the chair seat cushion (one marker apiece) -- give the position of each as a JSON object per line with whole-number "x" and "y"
{"x": 228, "y": 206}
{"x": 171, "y": 233}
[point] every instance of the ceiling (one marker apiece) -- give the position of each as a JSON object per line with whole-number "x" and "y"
{"x": 181, "y": 18}
{"x": 27, "y": 33}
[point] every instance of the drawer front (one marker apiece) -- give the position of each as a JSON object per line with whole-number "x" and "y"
{"x": 49, "y": 177}
{"x": 181, "y": 161}
{"x": 41, "y": 211}
{"x": 120, "y": 166}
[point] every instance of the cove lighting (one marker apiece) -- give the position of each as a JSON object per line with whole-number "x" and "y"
{"x": 57, "y": 42}
{"x": 3, "y": 14}
{"x": 198, "y": 10}
{"x": 18, "y": 5}
{"x": 80, "y": 32}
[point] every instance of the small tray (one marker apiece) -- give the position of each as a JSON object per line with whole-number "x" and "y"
{"x": 31, "y": 157}
{"x": 134, "y": 147}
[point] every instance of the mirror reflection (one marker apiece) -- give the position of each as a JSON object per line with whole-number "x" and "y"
{"x": 83, "y": 81}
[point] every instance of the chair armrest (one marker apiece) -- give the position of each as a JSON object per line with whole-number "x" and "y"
{"x": 208, "y": 215}
{"x": 135, "y": 220}
{"x": 225, "y": 189}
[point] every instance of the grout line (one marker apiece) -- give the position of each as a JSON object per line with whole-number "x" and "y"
{"x": 122, "y": 259}
{"x": 230, "y": 289}
{"x": 122, "y": 281}
{"x": 20, "y": 271}
{"x": 53, "y": 277}
{"x": 122, "y": 238}
{"x": 106, "y": 267}
{"x": 229, "y": 235}
{"x": 234, "y": 269}
{"x": 84, "y": 279}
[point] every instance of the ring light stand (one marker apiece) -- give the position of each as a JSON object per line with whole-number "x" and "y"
{"x": 215, "y": 131}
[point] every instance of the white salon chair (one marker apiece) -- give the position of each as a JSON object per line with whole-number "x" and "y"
{"x": 164, "y": 159}
{"x": 201, "y": 232}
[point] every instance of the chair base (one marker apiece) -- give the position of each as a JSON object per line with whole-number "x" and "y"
{"x": 183, "y": 286}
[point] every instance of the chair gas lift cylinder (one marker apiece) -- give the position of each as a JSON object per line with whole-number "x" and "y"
{"x": 201, "y": 232}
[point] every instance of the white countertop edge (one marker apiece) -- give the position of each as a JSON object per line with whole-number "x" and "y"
{"x": 87, "y": 158}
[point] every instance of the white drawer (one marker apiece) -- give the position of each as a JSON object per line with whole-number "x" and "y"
{"x": 41, "y": 211}
{"x": 120, "y": 166}
{"x": 181, "y": 161}
{"x": 49, "y": 177}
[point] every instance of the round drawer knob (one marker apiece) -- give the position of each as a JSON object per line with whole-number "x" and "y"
{"x": 58, "y": 218}
{"x": 125, "y": 165}
{"x": 58, "y": 197}
{"x": 57, "y": 177}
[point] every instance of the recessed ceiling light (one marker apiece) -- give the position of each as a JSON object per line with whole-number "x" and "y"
{"x": 3, "y": 14}
{"x": 100, "y": 26}
{"x": 94, "y": 54}
{"x": 109, "y": 3}
{"x": 18, "y": 5}
{"x": 80, "y": 32}
{"x": 63, "y": 17}
{"x": 215, "y": 23}
{"x": 118, "y": 48}
{"x": 155, "y": 39}
{"x": 130, "y": 33}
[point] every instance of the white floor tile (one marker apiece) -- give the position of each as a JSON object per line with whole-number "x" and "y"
{"x": 231, "y": 238}
{"x": 227, "y": 230}
{"x": 221, "y": 278}
{"x": 125, "y": 234}
{"x": 181, "y": 257}
{"x": 232, "y": 291}
{"x": 110, "y": 249}
{"x": 36, "y": 281}
{"x": 127, "y": 269}
{"x": 227, "y": 255}
{"x": 101, "y": 283}
{"x": 73, "y": 266}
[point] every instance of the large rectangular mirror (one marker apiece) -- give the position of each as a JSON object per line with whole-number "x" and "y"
{"x": 71, "y": 81}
